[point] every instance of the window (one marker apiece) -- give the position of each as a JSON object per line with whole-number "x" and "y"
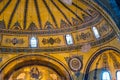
{"x": 118, "y": 75}
{"x": 106, "y": 75}
{"x": 96, "y": 33}
{"x": 69, "y": 39}
{"x": 33, "y": 42}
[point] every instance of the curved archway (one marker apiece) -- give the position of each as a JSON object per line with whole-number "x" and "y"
{"x": 92, "y": 59}
{"x": 45, "y": 61}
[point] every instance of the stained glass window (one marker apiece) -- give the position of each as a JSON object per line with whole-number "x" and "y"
{"x": 69, "y": 39}
{"x": 33, "y": 42}
{"x": 96, "y": 33}
{"x": 118, "y": 75}
{"x": 106, "y": 75}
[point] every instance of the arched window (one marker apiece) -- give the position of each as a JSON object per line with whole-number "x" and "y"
{"x": 106, "y": 75}
{"x": 96, "y": 33}
{"x": 118, "y": 75}
{"x": 33, "y": 42}
{"x": 69, "y": 39}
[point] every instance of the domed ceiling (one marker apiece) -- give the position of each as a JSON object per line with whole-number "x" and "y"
{"x": 44, "y": 14}
{"x": 49, "y": 21}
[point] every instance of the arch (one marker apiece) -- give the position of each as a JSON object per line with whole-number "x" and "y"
{"x": 91, "y": 60}
{"x": 35, "y": 59}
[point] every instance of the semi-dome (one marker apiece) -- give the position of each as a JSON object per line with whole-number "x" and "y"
{"x": 49, "y": 21}
{"x": 58, "y": 40}
{"x": 44, "y": 14}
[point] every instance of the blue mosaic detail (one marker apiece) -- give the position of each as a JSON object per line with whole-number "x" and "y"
{"x": 111, "y": 7}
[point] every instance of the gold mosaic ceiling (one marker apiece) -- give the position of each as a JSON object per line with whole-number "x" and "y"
{"x": 49, "y": 21}
{"x": 44, "y": 14}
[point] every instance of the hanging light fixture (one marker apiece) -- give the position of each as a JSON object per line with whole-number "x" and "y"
{"x": 85, "y": 47}
{"x": 69, "y": 2}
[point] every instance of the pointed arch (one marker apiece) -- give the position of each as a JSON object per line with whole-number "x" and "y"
{"x": 94, "y": 56}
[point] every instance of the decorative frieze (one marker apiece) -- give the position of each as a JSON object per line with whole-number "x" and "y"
{"x": 14, "y": 41}
{"x": 51, "y": 41}
{"x": 54, "y": 43}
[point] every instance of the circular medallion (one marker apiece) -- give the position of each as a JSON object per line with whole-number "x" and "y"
{"x": 75, "y": 64}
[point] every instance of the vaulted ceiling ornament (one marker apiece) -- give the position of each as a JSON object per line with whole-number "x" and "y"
{"x": 32, "y": 26}
{"x": 2, "y": 24}
{"x": 17, "y": 26}
{"x": 86, "y": 17}
{"x": 76, "y": 21}
{"x": 48, "y": 25}
{"x": 63, "y": 24}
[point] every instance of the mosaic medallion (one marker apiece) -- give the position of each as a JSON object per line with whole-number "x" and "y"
{"x": 75, "y": 64}
{"x": 35, "y": 73}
